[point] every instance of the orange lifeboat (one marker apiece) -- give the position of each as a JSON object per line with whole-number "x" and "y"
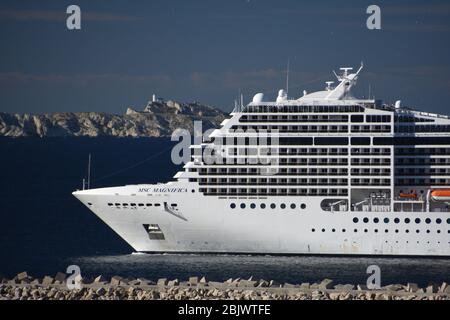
{"x": 441, "y": 195}
{"x": 412, "y": 195}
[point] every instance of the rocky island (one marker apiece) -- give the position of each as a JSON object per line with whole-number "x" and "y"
{"x": 158, "y": 119}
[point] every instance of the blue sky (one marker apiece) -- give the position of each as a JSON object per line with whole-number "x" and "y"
{"x": 198, "y": 50}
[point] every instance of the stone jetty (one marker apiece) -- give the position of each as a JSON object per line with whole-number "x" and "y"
{"x": 25, "y": 287}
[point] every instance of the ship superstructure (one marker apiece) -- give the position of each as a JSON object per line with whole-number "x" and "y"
{"x": 326, "y": 173}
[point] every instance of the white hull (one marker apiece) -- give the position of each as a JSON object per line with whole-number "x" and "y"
{"x": 208, "y": 224}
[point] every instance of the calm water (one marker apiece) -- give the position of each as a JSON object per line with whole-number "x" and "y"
{"x": 44, "y": 229}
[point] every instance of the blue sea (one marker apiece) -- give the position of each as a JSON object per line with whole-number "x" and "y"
{"x": 44, "y": 228}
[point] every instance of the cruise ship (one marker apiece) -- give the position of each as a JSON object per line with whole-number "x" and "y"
{"x": 322, "y": 174}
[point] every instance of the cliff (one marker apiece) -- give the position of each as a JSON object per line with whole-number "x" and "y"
{"x": 158, "y": 119}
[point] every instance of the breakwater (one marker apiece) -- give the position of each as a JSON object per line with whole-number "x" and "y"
{"x": 25, "y": 287}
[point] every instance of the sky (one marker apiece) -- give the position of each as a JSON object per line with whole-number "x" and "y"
{"x": 210, "y": 50}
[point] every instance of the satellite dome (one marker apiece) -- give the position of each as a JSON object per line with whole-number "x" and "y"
{"x": 282, "y": 95}
{"x": 258, "y": 98}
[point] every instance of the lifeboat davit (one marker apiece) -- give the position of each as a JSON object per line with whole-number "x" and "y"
{"x": 440, "y": 195}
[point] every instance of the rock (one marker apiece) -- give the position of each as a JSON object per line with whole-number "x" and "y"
{"x": 393, "y": 287}
{"x": 305, "y": 286}
{"x": 432, "y": 288}
{"x": 47, "y": 281}
{"x": 35, "y": 282}
{"x": 334, "y": 296}
{"x": 101, "y": 291}
{"x": 173, "y": 283}
{"x": 314, "y": 286}
{"x": 274, "y": 284}
{"x": 144, "y": 282}
{"x": 443, "y": 287}
{"x": 262, "y": 284}
{"x": 115, "y": 280}
{"x": 203, "y": 280}
{"x": 100, "y": 279}
{"x": 162, "y": 282}
{"x": 134, "y": 282}
{"x": 216, "y": 284}
{"x": 326, "y": 284}
{"x": 60, "y": 277}
{"x": 193, "y": 281}
{"x": 361, "y": 287}
{"x": 412, "y": 287}
{"x": 22, "y": 276}
{"x": 247, "y": 283}
{"x": 344, "y": 287}
{"x": 235, "y": 282}
{"x": 290, "y": 286}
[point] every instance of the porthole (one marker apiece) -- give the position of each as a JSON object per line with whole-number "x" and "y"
{"x": 343, "y": 230}
{"x": 376, "y": 230}
{"x": 117, "y": 204}
{"x": 89, "y": 203}
{"x": 140, "y": 204}
{"x": 133, "y": 204}
{"x": 376, "y": 220}
{"x": 293, "y": 206}
{"x": 233, "y": 205}
{"x": 303, "y": 206}
{"x": 110, "y": 204}
{"x": 427, "y": 220}
{"x": 396, "y": 230}
{"x": 439, "y": 231}
{"x": 253, "y": 206}
{"x": 407, "y": 220}
{"x": 263, "y": 205}
{"x": 333, "y": 230}
{"x": 448, "y": 221}
{"x": 417, "y": 231}
{"x": 355, "y": 230}
{"x": 386, "y": 220}
{"x": 283, "y": 206}
{"x": 386, "y": 230}
{"x": 438, "y": 221}
{"x": 313, "y": 230}
{"x": 192, "y": 190}
{"x": 355, "y": 220}
{"x": 365, "y": 230}
{"x": 417, "y": 220}
{"x": 149, "y": 204}
{"x": 125, "y": 204}
{"x": 396, "y": 220}
{"x": 366, "y": 220}
{"x": 273, "y": 206}
{"x": 428, "y": 231}
{"x": 407, "y": 231}
{"x": 242, "y": 205}
{"x": 323, "y": 230}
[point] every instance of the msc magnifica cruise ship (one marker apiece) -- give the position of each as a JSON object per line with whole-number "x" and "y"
{"x": 325, "y": 173}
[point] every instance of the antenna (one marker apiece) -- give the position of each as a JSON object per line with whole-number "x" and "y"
{"x": 370, "y": 89}
{"x": 89, "y": 173}
{"x": 287, "y": 77}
